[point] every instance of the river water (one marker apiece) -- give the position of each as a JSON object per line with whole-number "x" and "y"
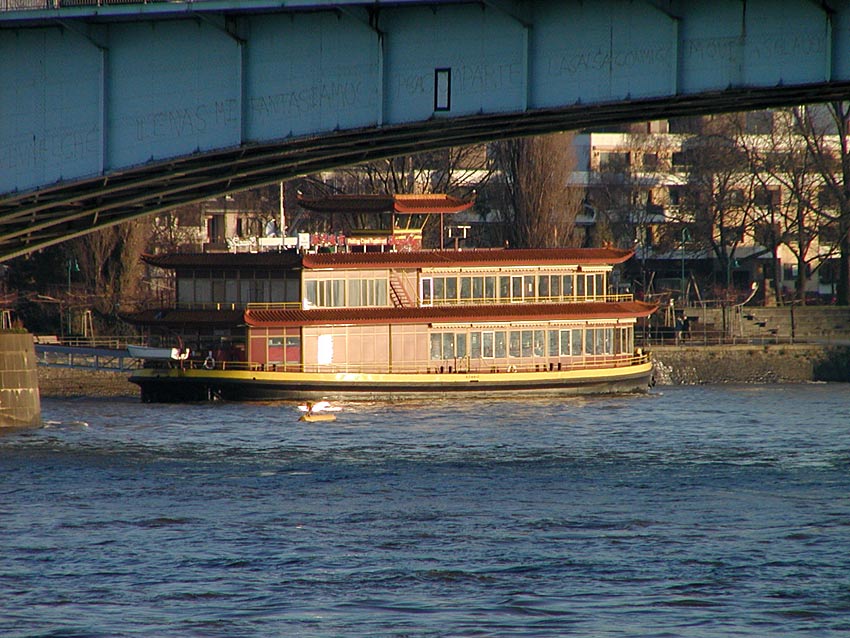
{"x": 691, "y": 511}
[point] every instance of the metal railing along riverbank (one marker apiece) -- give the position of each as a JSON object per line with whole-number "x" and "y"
{"x": 91, "y": 358}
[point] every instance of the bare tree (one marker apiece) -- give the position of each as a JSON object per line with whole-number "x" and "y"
{"x": 787, "y": 211}
{"x": 717, "y": 204}
{"x": 110, "y": 268}
{"x": 826, "y": 133}
{"x": 539, "y": 205}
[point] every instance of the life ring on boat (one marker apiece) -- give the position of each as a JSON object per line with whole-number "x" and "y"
{"x": 209, "y": 363}
{"x": 511, "y": 368}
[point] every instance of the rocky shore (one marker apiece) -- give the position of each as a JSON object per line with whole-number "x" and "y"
{"x": 55, "y": 382}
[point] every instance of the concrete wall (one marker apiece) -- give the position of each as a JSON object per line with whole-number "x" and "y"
{"x": 20, "y": 405}
{"x": 676, "y": 365}
{"x": 802, "y": 323}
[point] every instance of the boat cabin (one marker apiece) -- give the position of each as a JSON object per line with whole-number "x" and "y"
{"x": 418, "y": 311}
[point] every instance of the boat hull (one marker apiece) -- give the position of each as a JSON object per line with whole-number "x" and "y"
{"x": 176, "y": 385}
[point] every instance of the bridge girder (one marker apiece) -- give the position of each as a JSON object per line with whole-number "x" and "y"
{"x": 153, "y": 143}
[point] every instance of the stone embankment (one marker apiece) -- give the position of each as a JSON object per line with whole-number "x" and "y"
{"x": 789, "y": 363}
{"x": 674, "y": 365}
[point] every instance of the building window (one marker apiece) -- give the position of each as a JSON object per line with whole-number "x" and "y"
{"x": 442, "y": 89}
{"x": 614, "y": 160}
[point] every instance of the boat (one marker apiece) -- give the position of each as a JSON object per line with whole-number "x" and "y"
{"x": 360, "y": 324}
{"x": 318, "y": 406}
{"x": 162, "y": 354}
{"x": 317, "y": 418}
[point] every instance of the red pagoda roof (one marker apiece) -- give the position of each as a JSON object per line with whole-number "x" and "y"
{"x": 412, "y": 259}
{"x": 453, "y": 314}
{"x": 166, "y": 317}
{"x": 424, "y": 204}
{"x": 470, "y": 258}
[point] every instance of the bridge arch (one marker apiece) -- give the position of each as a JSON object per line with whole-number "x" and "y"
{"x": 117, "y": 111}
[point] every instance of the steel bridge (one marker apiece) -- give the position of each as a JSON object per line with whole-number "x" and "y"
{"x": 111, "y": 109}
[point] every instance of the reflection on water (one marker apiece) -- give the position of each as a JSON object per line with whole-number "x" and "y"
{"x": 686, "y": 512}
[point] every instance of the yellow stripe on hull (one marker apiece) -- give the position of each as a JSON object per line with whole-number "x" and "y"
{"x": 199, "y": 384}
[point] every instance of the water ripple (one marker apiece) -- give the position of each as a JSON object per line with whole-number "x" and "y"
{"x": 702, "y": 511}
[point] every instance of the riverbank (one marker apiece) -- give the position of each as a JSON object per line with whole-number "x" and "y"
{"x": 674, "y": 365}
{"x": 776, "y": 363}
{"x": 58, "y": 382}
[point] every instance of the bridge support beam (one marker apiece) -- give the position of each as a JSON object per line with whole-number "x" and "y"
{"x": 108, "y": 113}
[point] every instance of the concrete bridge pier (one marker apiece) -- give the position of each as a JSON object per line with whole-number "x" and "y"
{"x": 20, "y": 404}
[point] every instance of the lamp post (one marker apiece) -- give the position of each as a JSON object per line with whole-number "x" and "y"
{"x": 72, "y": 263}
{"x": 685, "y": 237}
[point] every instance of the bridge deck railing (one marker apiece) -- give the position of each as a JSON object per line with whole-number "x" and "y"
{"x": 24, "y": 5}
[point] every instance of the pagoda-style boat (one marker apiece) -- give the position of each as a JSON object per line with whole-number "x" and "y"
{"x": 390, "y": 325}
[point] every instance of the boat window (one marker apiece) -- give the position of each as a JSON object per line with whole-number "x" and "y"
{"x": 543, "y": 287}
{"x": 337, "y": 292}
{"x": 185, "y": 292}
{"x": 516, "y": 288}
{"x": 539, "y": 343}
{"x": 565, "y": 342}
{"x": 575, "y": 340}
{"x": 230, "y": 292}
{"x": 514, "y": 343}
{"x": 310, "y": 292}
{"x": 278, "y": 290}
{"x": 588, "y": 341}
{"x": 475, "y": 345}
{"x": 568, "y": 290}
{"x": 624, "y": 345}
{"x": 608, "y": 340}
{"x": 275, "y": 350}
{"x": 554, "y": 346}
{"x": 426, "y": 291}
{"x": 599, "y": 338}
{"x": 600, "y": 285}
{"x": 354, "y": 296}
{"x": 504, "y": 288}
{"x": 439, "y": 288}
{"x": 477, "y": 288}
{"x": 528, "y": 287}
{"x": 361, "y": 292}
{"x": 500, "y": 347}
{"x": 580, "y": 289}
{"x": 448, "y": 345}
{"x": 218, "y": 292}
{"x": 466, "y": 288}
{"x": 460, "y": 349}
{"x": 451, "y": 289}
{"x": 381, "y": 296}
{"x": 527, "y": 342}
{"x": 555, "y": 283}
{"x": 487, "y": 344}
{"x": 436, "y": 346}
{"x": 490, "y": 289}
{"x": 203, "y": 291}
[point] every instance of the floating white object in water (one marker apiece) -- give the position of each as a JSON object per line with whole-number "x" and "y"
{"x": 319, "y": 406}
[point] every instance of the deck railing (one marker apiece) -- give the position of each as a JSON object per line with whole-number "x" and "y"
{"x": 478, "y": 301}
{"x": 460, "y": 365}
